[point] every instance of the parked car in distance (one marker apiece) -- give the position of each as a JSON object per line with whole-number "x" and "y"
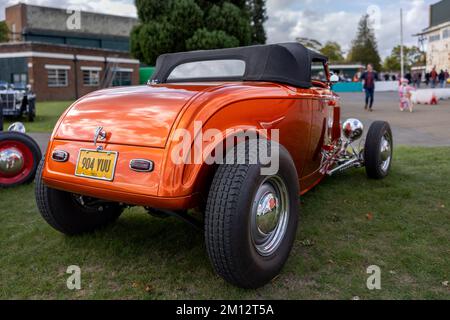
{"x": 17, "y": 101}
{"x": 125, "y": 146}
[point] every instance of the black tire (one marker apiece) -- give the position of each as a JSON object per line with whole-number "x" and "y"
{"x": 66, "y": 214}
{"x": 31, "y": 162}
{"x": 374, "y": 158}
{"x": 228, "y": 221}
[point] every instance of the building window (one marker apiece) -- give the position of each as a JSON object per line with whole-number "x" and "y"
{"x": 122, "y": 77}
{"x": 19, "y": 79}
{"x": 435, "y": 37}
{"x": 446, "y": 33}
{"x": 58, "y": 76}
{"x": 91, "y": 76}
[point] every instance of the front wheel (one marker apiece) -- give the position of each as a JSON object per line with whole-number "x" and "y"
{"x": 251, "y": 221}
{"x": 73, "y": 214}
{"x": 378, "y": 150}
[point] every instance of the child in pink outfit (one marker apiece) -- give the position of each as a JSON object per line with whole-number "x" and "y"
{"x": 404, "y": 92}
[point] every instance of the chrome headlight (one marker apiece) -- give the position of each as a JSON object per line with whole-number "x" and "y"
{"x": 352, "y": 129}
{"x": 19, "y": 95}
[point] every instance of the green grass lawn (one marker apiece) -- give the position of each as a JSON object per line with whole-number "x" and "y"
{"x": 401, "y": 224}
{"x": 47, "y": 114}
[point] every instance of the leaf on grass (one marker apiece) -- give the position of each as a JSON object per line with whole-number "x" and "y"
{"x": 307, "y": 243}
{"x": 135, "y": 284}
{"x": 148, "y": 288}
{"x": 445, "y": 283}
{"x": 369, "y": 216}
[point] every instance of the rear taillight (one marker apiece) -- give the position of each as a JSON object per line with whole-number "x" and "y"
{"x": 60, "y": 156}
{"x": 141, "y": 165}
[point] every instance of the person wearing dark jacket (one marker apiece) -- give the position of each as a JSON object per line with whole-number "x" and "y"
{"x": 442, "y": 78}
{"x": 369, "y": 77}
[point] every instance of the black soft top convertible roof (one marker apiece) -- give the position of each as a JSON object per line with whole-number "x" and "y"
{"x": 288, "y": 63}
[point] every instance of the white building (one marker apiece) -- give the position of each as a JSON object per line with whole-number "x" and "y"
{"x": 437, "y": 36}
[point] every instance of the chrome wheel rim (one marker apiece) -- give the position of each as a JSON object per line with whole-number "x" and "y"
{"x": 270, "y": 215}
{"x": 11, "y": 162}
{"x": 385, "y": 152}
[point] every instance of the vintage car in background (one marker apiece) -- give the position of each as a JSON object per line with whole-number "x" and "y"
{"x": 115, "y": 148}
{"x": 17, "y": 101}
{"x": 19, "y": 156}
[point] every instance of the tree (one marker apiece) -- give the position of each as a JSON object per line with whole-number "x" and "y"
{"x": 230, "y": 19}
{"x": 180, "y": 25}
{"x": 309, "y": 43}
{"x": 154, "y": 38}
{"x": 185, "y": 17}
{"x": 258, "y": 15}
{"x": 204, "y": 39}
{"x": 413, "y": 56}
{"x": 364, "y": 46}
{"x": 333, "y": 51}
{"x": 4, "y": 32}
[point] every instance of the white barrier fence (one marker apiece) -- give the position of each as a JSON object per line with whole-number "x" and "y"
{"x": 429, "y": 96}
{"x": 384, "y": 86}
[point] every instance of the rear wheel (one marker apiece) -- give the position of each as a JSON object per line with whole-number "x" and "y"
{"x": 19, "y": 159}
{"x": 251, "y": 221}
{"x": 73, "y": 214}
{"x": 378, "y": 150}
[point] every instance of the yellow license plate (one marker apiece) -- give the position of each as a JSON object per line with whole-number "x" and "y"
{"x": 96, "y": 164}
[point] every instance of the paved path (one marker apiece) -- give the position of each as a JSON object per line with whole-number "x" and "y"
{"x": 42, "y": 140}
{"x": 426, "y": 126}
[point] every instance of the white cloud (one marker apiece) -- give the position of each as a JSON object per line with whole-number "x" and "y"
{"x": 287, "y": 20}
{"x": 286, "y": 25}
{"x": 323, "y": 20}
{"x": 117, "y": 7}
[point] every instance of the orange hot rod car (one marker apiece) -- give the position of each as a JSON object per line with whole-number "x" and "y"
{"x": 115, "y": 148}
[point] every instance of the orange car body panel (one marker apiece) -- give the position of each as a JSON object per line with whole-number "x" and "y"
{"x": 141, "y": 122}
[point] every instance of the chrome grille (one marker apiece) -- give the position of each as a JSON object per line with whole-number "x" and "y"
{"x": 7, "y": 100}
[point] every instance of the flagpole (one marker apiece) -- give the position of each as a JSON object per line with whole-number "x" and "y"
{"x": 402, "y": 60}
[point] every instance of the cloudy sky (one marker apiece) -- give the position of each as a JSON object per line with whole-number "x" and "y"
{"x": 323, "y": 20}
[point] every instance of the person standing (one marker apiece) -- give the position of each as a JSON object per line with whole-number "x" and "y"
{"x": 446, "y": 77}
{"x": 408, "y": 77}
{"x": 442, "y": 79}
{"x": 427, "y": 78}
{"x": 434, "y": 77}
{"x": 415, "y": 79}
{"x": 369, "y": 77}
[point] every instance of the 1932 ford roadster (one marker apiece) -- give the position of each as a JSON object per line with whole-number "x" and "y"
{"x": 123, "y": 146}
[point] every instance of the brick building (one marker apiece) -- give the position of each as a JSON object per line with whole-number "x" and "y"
{"x": 65, "y": 56}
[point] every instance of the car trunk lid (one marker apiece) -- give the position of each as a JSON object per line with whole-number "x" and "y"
{"x": 140, "y": 116}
